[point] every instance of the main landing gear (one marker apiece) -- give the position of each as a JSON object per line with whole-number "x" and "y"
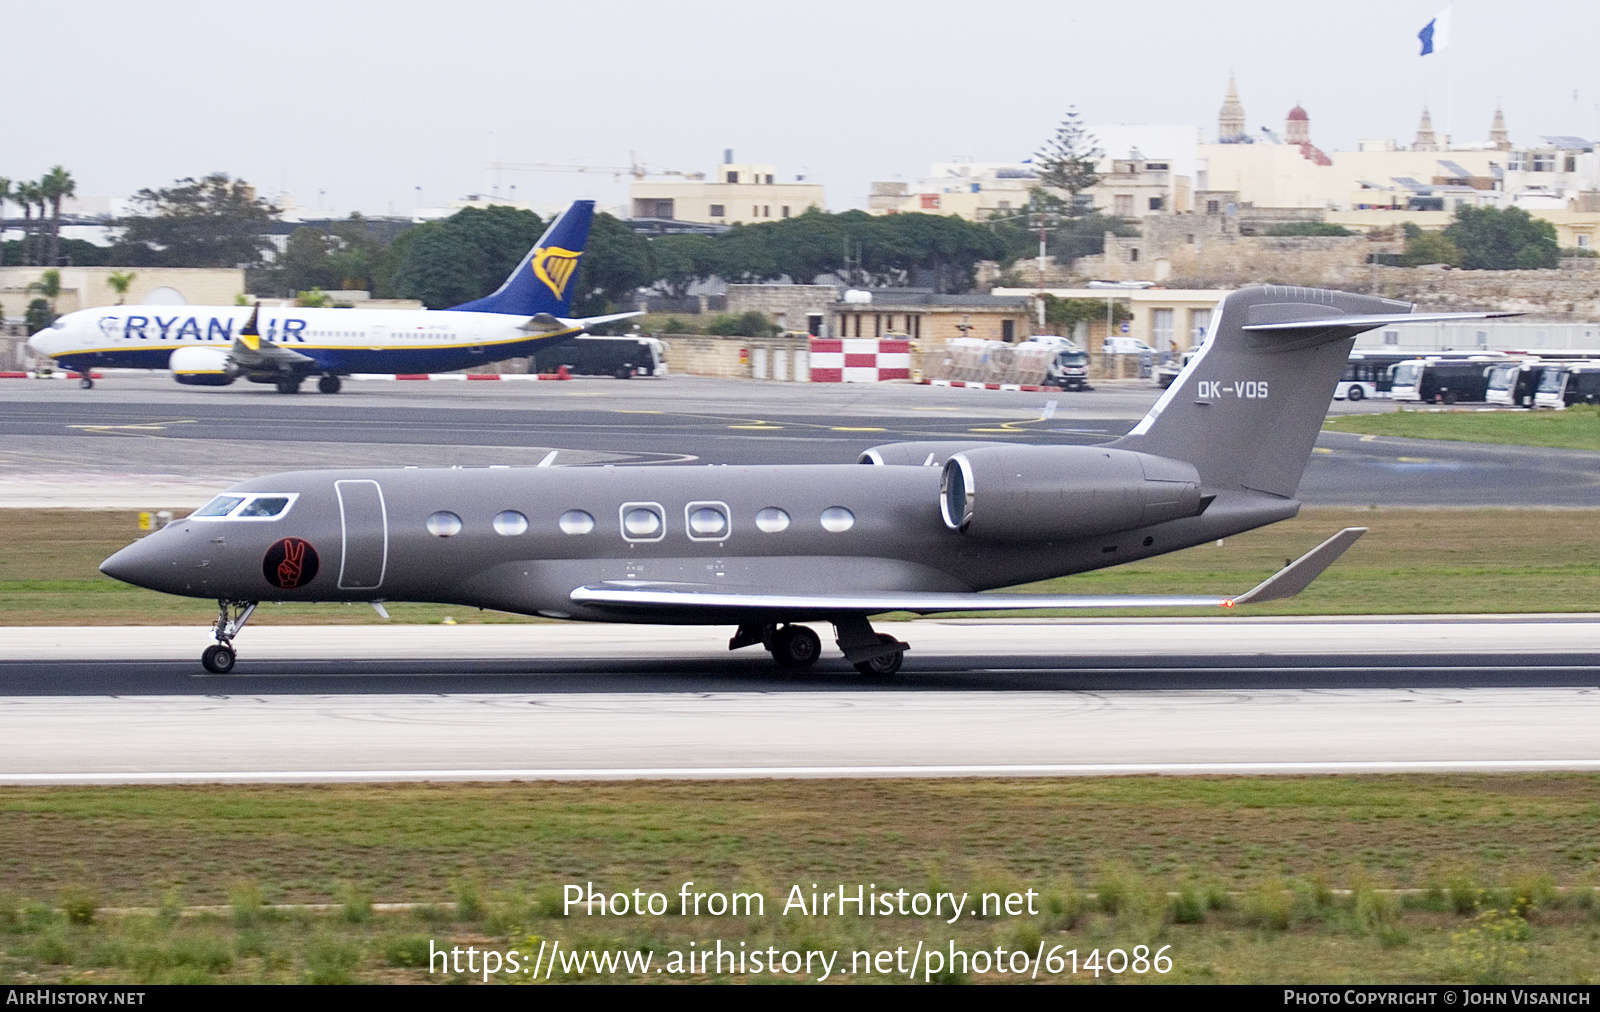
{"x": 218, "y": 658}
{"x": 289, "y": 384}
{"x": 872, "y": 653}
{"x": 329, "y": 384}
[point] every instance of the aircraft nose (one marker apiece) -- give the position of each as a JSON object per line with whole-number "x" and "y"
{"x": 138, "y": 564}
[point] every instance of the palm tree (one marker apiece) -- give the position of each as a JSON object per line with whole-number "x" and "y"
{"x": 54, "y": 186}
{"x": 26, "y": 194}
{"x": 48, "y": 285}
{"x": 5, "y": 195}
{"x": 119, "y": 282}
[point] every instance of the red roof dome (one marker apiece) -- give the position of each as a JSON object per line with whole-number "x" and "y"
{"x": 1298, "y": 113}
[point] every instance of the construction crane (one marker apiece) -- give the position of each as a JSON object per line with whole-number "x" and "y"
{"x": 635, "y": 168}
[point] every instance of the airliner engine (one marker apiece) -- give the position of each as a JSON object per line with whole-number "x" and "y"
{"x": 202, "y": 367}
{"x": 1041, "y": 493}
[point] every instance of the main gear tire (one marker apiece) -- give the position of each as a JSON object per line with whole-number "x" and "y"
{"x": 796, "y": 646}
{"x": 329, "y": 384}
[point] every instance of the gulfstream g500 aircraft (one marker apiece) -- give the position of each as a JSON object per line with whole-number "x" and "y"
{"x": 764, "y": 549}
{"x": 207, "y": 346}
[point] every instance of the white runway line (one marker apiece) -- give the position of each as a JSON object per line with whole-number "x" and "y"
{"x": 808, "y": 772}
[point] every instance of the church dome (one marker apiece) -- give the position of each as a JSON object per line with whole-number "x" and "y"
{"x": 1298, "y": 114}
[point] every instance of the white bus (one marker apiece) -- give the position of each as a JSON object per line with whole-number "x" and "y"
{"x": 1570, "y": 383}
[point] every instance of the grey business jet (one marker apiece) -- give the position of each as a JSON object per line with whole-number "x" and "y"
{"x": 924, "y": 528}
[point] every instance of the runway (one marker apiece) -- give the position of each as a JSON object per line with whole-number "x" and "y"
{"x": 140, "y": 441}
{"x": 975, "y": 699}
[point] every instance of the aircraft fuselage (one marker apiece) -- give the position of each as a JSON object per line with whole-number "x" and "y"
{"x": 522, "y": 539}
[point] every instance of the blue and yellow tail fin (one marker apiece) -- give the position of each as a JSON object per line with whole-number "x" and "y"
{"x": 545, "y": 279}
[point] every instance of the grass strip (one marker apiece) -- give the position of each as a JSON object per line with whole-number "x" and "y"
{"x": 1576, "y": 428}
{"x": 1247, "y": 879}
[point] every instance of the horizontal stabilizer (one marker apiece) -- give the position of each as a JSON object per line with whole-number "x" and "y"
{"x": 688, "y": 598}
{"x": 545, "y": 325}
{"x": 1359, "y": 324}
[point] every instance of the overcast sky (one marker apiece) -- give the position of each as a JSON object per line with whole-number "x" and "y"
{"x": 367, "y": 101}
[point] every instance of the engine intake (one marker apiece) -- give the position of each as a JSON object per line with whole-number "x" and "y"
{"x": 202, "y": 367}
{"x": 1041, "y": 493}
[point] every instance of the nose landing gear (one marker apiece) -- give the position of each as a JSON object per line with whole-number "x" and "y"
{"x": 219, "y": 657}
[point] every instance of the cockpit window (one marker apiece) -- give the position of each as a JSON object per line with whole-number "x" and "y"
{"x": 221, "y": 506}
{"x": 265, "y": 506}
{"x": 60, "y": 324}
{"x": 269, "y": 506}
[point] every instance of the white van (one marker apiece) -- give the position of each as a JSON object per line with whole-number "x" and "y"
{"x": 1116, "y": 345}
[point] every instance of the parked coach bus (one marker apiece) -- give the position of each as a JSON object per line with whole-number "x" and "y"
{"x": 1367, "y": 375}
{"x": 1443, "y": 380}
{"x": 1515, "y": 383}
{"x": 1564, "y": 385}
{"x": 622, "y": 357}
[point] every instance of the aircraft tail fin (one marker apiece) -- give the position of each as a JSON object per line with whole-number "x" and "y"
{"x": 1247, "y": 409}
{"x": 546, "y": 278}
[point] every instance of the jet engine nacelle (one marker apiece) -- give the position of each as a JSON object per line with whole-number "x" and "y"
{"x": 202, "y": 367}
{"x": 1041, "y": 493}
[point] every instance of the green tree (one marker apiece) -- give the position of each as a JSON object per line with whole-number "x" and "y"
{"x": 26, "y": 195}
{"x": 303, "y": 263}
{"x": 752, "y": 323}
{"x": 5, "y": 195}
{"x": 1309, "y": 228}
{"x": 215, "y": 221}
{"x": 1066, "y": 161}
{"x": 356, "y": 254}
{"x": 38, "y": 316}
{"x": 810, "y": 244}
{"x": 120, "y": 282}
{"x": 681, "y": 260}
{"x": 1065, "y": 314}
{"x": 1067, "y": 237}
{"x": 460, "y": 258}
{"x": 616, "y": 263}
{"x": 1430, "y": 248}
{"x": 48, "y": 285}
{"x": 1500, "y": 239}
{"x": 55, "y": 186}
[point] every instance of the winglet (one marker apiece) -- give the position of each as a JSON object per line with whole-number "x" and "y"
{"x": 1297, "y": 576}
{"x": 250, "y": 334}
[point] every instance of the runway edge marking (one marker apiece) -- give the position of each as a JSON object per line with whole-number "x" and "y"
{"x": 821, "y": 772}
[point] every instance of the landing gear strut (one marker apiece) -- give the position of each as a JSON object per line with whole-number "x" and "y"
{"x": 218, "y": 658}
{"x": 875, "y": 654}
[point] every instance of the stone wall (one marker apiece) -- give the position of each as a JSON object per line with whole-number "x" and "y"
{"x": 786, "y": 305}
{"x": 732, "y": 357}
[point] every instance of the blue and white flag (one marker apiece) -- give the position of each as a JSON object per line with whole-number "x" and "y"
{"x": 1436, "y": 34}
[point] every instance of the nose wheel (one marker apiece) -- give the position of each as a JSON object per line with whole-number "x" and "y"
{"x": 219, "y": 657}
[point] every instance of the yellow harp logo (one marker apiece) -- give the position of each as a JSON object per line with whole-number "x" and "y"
{"x": 554, "y": 266}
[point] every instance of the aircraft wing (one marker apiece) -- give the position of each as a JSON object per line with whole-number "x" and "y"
{"x": 267, "y": 355}
{"x": 659, "y": 597}
{"x": 549, "y": 326}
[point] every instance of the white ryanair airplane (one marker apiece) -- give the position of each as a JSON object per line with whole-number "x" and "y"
{"x": 215, "y": 345}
